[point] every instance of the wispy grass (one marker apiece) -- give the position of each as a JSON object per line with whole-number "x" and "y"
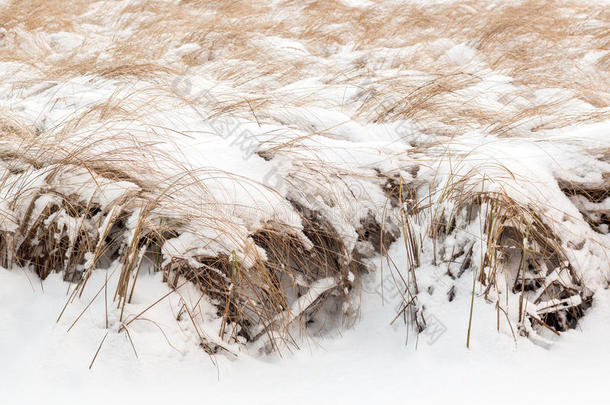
{"x": 82, "y": 191}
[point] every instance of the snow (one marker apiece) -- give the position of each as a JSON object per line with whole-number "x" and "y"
{"x": 327, "y": 154}
{"x": 368, "y": 363}
{"x": 461, "y": 54}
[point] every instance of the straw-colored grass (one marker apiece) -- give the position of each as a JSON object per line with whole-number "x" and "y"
{"x": 81, "y": 190}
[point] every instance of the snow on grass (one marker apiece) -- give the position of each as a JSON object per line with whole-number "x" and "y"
{"x": 223, "y": 180}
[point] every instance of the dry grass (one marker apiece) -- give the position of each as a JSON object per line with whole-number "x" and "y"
{"x": 62, "y": 213}
{"x": 538, "y": 44}
{"x": 396, "y": 66}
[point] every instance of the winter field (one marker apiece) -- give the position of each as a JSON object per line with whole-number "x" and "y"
{"x": 301, "y": 202}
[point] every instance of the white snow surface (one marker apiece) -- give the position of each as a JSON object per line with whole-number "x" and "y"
{"x": 46, "y": 360}
{"x": 368, "y": 363}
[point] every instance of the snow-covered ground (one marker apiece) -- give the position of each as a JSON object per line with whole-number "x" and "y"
{"x": 369, "y": 363}
{"x": 212, "y": 122}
